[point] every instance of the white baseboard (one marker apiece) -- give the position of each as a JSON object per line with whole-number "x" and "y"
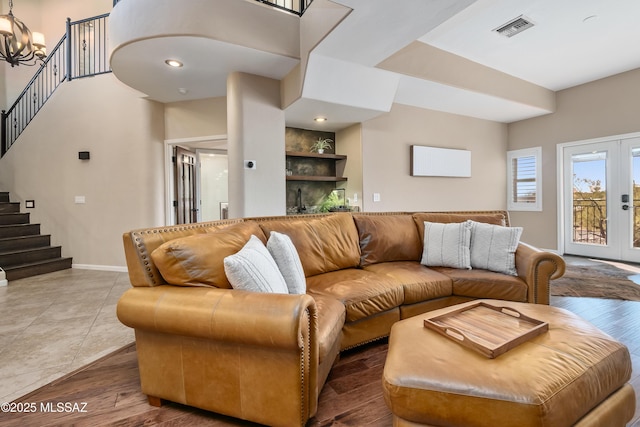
{"x": 3, "y": 278}
{"x": 100, "y": 267}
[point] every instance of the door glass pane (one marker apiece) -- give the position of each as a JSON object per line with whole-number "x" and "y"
{"x": 635, "y": 154}
{"x": 589, "y": 198}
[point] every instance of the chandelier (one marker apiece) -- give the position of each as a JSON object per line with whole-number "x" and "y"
{"x": 18, "y": 45}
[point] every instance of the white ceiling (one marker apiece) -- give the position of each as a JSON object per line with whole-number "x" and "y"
{"x": 572, "y": 42}
{"x": 207, "y": 63}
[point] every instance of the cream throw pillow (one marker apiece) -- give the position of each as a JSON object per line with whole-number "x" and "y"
{"x": 493, "y": 247}
{"x": 286, "y": 257}
{"x": 253, "y": 269}
{"x": 447, "y": 245}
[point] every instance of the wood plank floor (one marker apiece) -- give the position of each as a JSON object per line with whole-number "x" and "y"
{"x": 351, "y": 397}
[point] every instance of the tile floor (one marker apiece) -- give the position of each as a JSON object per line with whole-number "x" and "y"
{"x": 53, "y": 324}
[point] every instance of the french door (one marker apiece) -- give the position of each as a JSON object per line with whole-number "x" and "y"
{"x": 185, "y": 186}
{"x": 602, "y": 199}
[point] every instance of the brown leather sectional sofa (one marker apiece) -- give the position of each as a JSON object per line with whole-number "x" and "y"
{"x": 265, "y": 357}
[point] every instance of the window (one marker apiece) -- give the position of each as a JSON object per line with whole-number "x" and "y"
{"x": 524, "y": 180}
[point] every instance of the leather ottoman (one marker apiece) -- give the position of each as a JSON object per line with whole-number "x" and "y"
{"x": 573, "y": 374}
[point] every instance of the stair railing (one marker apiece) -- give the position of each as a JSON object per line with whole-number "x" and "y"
{"x": 296, "y": 6}
{"x": 81, "y": 52}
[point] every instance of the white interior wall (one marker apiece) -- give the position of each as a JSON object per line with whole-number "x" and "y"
{"x": 214, "y": 183}
{"x": 386, "y": 143}
{"x": 256, "y": 129}
{"x": 122, "y": 183}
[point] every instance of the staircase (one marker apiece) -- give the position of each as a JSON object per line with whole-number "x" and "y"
{"x": 24, "y": 252}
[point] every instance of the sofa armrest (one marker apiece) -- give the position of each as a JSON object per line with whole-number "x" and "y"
{"x": 254, "y": 344}
{"x": 218, "y": 314}
{"x": 537, "y": 268}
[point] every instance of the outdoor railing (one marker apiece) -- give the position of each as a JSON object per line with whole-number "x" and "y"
{"x": 590, "y": 221}
{"x": 81, "y": 52}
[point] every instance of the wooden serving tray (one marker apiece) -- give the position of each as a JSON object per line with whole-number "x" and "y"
{"x": 487, "y": 329}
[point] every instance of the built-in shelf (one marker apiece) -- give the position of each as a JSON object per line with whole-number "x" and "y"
{"x": 316, "y": 155}
{"x": 315, "y": 178}
{"x": 318, "y": 158}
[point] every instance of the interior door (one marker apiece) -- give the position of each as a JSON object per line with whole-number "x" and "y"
{"x": 601, "y": 206}
{"x": 185, "y": 186}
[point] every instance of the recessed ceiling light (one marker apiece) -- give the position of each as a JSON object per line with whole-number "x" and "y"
{"x": 320, "y": 119}
{"x": 183, "y": 90}
{"x": 173, "y": 63}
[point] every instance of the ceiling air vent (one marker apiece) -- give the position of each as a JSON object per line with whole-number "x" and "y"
{"x": 514, "y": 26}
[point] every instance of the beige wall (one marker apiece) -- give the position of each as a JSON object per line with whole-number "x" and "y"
{"x": 123, "y": 182}
{"x": 255, "y": 131}
{"x": 199, "y": 118}
{"x": 606, "y": 107}
{"x": 349, "y": 142}
{"x": 386, "y": 145}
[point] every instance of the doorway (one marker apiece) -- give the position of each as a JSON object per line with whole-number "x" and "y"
{"x": 196, "y": 183}
{"x": 186, "y": 202}
{"x": 213, "y": 188}
{"x": 601, "y": 199}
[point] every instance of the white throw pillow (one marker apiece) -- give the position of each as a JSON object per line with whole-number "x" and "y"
{"x": 447, "y": 245}
{"x": 493, "y": 247}
{"x": 253, "y": 269}
{"x": 286, "y": 257}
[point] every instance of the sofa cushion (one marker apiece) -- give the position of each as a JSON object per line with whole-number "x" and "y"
{"x": 386, "y": 238}
{"x": 447, "y": 218}
{"x": 286, "y": 257}
{"x": 362, "y": 292}
{"x": 420, "y": 283}
{"x": 493, "y": 247}
{"x": 198, "y": 260}
{"x": 331, "y": 317}
{"x": 485, "y": 284}
{"x": 325, "y": 244}
{"x": 447, "y": 245}
{"x": 254, "y": 269}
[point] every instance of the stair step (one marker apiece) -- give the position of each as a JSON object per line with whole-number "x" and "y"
{"x": 24, "y": 252}
{"x": 35, "y": 268}
{"x": 24, "y": 242}
{"x": 14, "y": 218}
{"x": 7, "y": 207}
{"x": 9, "y": 259}
{"x": 17, "y": 230}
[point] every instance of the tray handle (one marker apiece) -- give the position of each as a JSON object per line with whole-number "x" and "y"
{"x": 455, "y": 334}
{"x": 515, "y": 313}
{"x": 511, "y": 312}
